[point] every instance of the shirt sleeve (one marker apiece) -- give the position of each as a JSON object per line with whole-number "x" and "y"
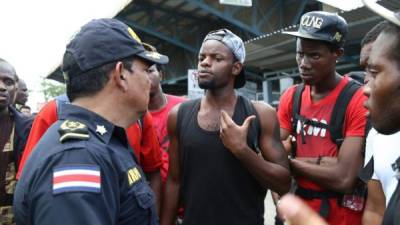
{"x": 74, "y": 187}
{"x": 368, "y": 145}
{"x": 355, "y": 119}
{"x": 285, "y": 109}
{"x": 150, "y": 153}
{"x": 43, "y": 120}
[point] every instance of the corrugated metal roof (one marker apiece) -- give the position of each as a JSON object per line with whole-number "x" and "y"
{"x": 276, "y": 51}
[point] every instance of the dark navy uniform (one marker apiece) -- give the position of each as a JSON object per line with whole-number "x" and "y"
{"x": 83, "y": 172}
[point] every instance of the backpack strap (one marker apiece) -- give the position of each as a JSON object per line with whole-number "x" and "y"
{"x": 295, "y": 117}
{"x": 337, "y": 117}
{"x": 296, "y": 105}
{"x": 254, "y": 131}
{"x": 339, "y": 112}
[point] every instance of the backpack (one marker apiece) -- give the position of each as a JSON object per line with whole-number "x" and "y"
{"x": 335, "y": 128}
{"x": 335, "y": 125}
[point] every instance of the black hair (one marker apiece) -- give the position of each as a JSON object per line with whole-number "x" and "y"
{"x": 160, "y": 67}
{"x": 87, "y": 83}
{"x": 394, "y": 52}
{"x": 372, "y": 34}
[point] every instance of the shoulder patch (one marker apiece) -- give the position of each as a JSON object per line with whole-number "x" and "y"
{"x": 73, "y": 130}
{"x": 133, "y": 175}
{"x": 76, "y": 178}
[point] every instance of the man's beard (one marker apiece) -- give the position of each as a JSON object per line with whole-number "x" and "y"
{"x": 208, "y": 84}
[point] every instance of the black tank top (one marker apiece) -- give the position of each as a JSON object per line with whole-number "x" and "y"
{"x": 216, "y": 188}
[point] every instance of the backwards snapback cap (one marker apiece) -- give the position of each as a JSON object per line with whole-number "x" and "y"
{"x": 235, "y": 44}
{"x": 103, "y": 41}
{"x": 322, "y": 26}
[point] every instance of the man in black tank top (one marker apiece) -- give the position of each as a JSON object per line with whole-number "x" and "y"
{"x": 225, "y": 151}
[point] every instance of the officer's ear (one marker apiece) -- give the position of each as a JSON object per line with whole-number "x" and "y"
{"x": 118, "y": 74}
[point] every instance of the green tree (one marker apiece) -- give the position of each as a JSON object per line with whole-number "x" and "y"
{"x": 52, "y": 89}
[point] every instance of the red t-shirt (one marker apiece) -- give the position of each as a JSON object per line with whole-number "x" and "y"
{"x": 149, "y": 158}
{"x": 143, "y": 140}
{"x": 160, "y": 118}
{"x": 318, "y": 141}
{"x": 43, "y": 120}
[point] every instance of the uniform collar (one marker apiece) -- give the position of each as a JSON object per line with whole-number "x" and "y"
{"x": 102, "y": 128}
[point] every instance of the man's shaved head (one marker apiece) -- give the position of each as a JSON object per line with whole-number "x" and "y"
{"x": 7, "y": 68}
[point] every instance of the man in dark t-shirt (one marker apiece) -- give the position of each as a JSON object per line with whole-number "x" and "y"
{"x": 217, "y": 171}
{"x": 14, "y": 128}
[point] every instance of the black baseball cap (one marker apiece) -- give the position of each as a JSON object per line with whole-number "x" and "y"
{"x": 236, "y": 45}
{"x": 103, "y": 41}
{"x": 322, "y": 26}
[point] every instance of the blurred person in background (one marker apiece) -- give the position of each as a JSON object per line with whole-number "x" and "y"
{"x": 14, "y": 128}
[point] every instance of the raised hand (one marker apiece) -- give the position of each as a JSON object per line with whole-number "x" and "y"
{"x": 233, "y": 136}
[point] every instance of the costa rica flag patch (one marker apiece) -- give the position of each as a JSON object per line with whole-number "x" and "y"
{"x": 76, "y": 178}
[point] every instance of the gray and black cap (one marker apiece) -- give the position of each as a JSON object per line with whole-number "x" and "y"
{"x": 236, "y": 45}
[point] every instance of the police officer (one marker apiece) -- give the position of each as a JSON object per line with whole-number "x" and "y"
{"x": 82, "y": 171}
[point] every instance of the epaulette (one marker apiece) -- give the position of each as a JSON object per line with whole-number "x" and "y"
{"x": 73, "y": 130}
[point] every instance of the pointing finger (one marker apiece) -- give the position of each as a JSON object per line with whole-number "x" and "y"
{"x": 226, "y": 118}
{"x": 223, "y": 123}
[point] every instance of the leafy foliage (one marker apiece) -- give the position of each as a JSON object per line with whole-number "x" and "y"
{"x": 52, "y": 89}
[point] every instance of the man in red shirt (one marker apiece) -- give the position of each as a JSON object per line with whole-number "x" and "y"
{"x": 159, "y": 106}
{"x": 141, "y": 136}
{"x": 323, "y": 171}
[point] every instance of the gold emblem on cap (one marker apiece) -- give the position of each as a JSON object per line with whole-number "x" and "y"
{"x": 134, "y": 35}
{"x": 337, "y": 36}
{"x": 154, "y": 55}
